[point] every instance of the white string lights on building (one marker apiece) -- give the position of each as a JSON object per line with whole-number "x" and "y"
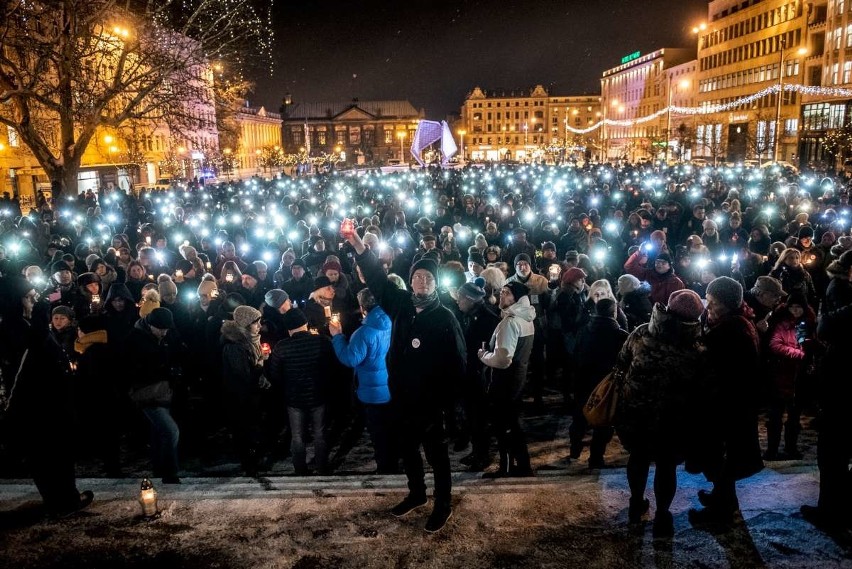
{"x": 712, "y": 109}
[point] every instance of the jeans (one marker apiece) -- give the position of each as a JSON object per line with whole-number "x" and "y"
{"x": 164, "y": 441}
{"x": 299, "y": 428}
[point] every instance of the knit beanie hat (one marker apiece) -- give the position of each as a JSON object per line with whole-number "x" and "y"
{"x": 59, "y": 266}
{"x": 167, "y": 288}
{"x": 331, "y": 266}
{"x": 685, "y": 304}
{"x": 518, "y": 289}
{"x": 727, "y": 291}
{"x": 573, "y": 274}
{"x": 806, "y": 231}
{"x": 66, "y": 311}
{"x": 664, "y": 257}
{"x": 522, "y": 257}
{"x": 548, "y": 246}
{"x": 321, "y": 282}
{"x": 426, "y": 265}
{"x": 474, "y": 290}
{"x": 627, "y": 283}
{"x": 90, "y": 260}
{"x": 206, "y": 287}
{"x": 160, "y": 318}
{"x": 294, "y": 319}
{"x": 275, "y": 298}
{"x": 244, "y": 316}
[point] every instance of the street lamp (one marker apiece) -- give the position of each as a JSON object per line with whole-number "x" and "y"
{"x": 781, "y": 59}
{"x": 462, "y": 132}
{"x": 682, "y": 84}
{"x": 401, "y": 136}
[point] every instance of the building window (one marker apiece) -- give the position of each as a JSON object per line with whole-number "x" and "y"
{"x": 369, "y": 139}
{"x": 835, "y": 72}
{"x": 297, "y": 135}
{"x": 791, "y": 126}
{"x": 388, "y": 136}
{"x": 321, "y": 138}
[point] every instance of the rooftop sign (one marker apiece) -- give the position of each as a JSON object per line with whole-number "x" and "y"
{"x": 631, "y": 57}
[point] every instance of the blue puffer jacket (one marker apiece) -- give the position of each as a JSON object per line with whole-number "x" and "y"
{"x": 367, "y": 352}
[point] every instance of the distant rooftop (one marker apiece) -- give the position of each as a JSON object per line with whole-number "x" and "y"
{"x": 379, "y": 109}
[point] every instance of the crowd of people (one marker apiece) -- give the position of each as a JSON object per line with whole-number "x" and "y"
{"x": 426, "y": 306}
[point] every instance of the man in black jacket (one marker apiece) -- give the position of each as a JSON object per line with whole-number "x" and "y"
{"x": 302, "y": 367}
{"x": 478, "y": 322}
{"x": 426, "y": 359}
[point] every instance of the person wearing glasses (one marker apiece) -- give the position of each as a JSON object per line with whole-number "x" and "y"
{"x": 426, "y": 360}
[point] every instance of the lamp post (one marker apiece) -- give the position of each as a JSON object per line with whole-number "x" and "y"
{"x": 682, "y": 84}
{"x": 778, "y": 130}
{"x": 462, "y": 132}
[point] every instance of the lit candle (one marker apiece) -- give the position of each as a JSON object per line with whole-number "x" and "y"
{"x": 148, "y": 499}
{"x": 327, "y": 310}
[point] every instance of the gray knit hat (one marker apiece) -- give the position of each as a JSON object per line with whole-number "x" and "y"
{"x": 276, "y": 297}
{"x": 244, "y": 316}
{"x": 727, "y": 291}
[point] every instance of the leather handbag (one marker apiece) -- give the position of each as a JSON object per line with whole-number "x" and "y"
{"x": 601, "y": 407}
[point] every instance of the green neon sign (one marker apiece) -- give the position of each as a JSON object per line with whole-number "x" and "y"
{"x": 631, "y": 57}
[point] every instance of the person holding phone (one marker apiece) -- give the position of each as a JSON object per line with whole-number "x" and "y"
{"x": 661, "y": 277}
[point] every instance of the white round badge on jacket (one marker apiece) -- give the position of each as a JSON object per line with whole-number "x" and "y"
{"x": 415, "y": 343}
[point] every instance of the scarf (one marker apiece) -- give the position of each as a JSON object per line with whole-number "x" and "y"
{"x": 425, "y": 302}
{"x": 254, "y": 341}
{"x": 83, "y": 343}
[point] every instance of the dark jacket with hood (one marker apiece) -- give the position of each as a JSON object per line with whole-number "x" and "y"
{"x": 119, "y": 324}
{"x": 240, "y": 372}
{"x": 148, "y": 359}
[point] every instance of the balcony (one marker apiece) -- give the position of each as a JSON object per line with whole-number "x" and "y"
{"x": 817, "y": 26}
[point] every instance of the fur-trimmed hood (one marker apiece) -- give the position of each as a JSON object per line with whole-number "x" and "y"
{"x": 233, "y": 333}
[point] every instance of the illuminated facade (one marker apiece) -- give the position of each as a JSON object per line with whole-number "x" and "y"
{"x": 527, "y": 125}
{"x": 257, "y": 129}
{"x": 366, "y": 132}
{"x": 747, "y": 46}
{"x": 830, "y": 27}
{"x": 638, "y": 88}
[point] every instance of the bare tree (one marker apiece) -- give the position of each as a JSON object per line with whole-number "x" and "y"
{"x": 760, "y": 135}
{"x": 71, "y": 67}
{"x": 838, "y": 142}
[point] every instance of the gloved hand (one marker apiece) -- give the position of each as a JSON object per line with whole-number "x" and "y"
{"x": 263, "y": 383}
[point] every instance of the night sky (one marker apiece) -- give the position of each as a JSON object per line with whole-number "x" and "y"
{"x": 434, "y": 52}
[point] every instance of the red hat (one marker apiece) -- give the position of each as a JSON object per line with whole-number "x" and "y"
{"x": 331, "y": 266}
{"x": 573, "y": 274}
{"x": 685, "y": 304}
